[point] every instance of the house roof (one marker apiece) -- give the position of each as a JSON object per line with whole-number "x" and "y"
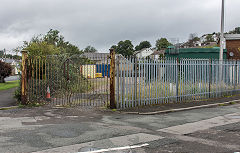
{"x": 198, "y": 50}
{"x": 100, "y": 56}
{"x": 139, "y": 51}
{"x": 8, "y": 60}
{"x": 158, "y": 52}
{"x": 171, "y": 47}
{"x": 96, "y": 56}
{"x": 232, "y": 36}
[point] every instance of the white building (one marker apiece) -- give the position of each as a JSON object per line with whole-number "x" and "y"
{"x": 145, "y": 52}
{"x": 13, "y": 63}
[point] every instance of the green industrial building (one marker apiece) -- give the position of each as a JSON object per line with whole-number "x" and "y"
{"x": 200, "y": 53}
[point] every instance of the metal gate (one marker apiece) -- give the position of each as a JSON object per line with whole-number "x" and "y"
{"x": 61, "y": 80}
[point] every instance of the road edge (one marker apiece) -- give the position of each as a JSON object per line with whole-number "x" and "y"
{"x": 183, "y": 109}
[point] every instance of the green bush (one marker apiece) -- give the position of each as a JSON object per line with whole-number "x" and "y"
{"x": 61, "y": 74}
{"x": 17, "y": 93}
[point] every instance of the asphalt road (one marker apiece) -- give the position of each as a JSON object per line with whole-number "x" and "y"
{"x": 207, "y": 130}
{"x": 6, "y": 98}
{"x": 12, "y": 78}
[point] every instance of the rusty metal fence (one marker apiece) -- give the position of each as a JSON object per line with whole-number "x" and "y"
{"x": 148, "y": 81}
{"x": 60, "y": 80}
{"x": 126, "y": 82}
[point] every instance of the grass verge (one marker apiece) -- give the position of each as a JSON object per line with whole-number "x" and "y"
{"x": 9, "y": 85}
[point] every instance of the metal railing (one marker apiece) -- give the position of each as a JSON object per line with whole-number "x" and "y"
{"x": 157, "y": 81}
{"x": 60, "y": 80}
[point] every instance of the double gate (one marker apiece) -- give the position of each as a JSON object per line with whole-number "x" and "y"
{"x": 60, "y": 80}
{"x": 129, "y": 82}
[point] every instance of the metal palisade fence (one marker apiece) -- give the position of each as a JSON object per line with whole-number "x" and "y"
{"x": 125, "y": 82}
{"x": 146, "y": 81}
{"x": 75, "y": 80}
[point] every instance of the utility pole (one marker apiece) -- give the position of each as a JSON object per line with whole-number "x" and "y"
{"x": 222, "y": 32}
{"x": 5, "y": 54}
{"x": 221, "y": 44}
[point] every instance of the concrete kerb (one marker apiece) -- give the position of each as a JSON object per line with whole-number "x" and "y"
{"x": 156, "y": 112}
{"x": 182, "y": 109}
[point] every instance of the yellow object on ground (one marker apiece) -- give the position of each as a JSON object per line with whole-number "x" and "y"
{"x": 99, "y": 75}
{"x": 89, "y": 71}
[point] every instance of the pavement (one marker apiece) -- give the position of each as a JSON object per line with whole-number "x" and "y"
{"x": 6, "y": 98}
{"x": 12, "y": 78}
{"x": 72, "y": 130}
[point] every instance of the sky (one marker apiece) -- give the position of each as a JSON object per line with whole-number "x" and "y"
{"x": 103, "y": 23}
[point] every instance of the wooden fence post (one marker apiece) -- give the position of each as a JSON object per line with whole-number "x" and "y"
{"x": 112, "y": 79}
{"x": 24, "y": 78}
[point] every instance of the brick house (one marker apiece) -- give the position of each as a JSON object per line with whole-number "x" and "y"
{"x": 233, "y": 46}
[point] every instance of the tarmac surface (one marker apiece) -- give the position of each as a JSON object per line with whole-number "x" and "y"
{"x": 12, "y": 78}
{"x": 6, "y": 98}
{"x": 46, "y": 129}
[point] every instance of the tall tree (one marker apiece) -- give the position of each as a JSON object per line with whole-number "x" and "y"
{"x": 53, "y": 37}
{"x": 192, "y": 39}
{"x": 162, "y": 43}
{"x": 124, "y": 47}
{"x": 90, "y": 49}
{"x": 1, "y": 53}
{"x": 41, "y": 49}
{"x": 143, "y": 44}
{"x": 235, "y": 31}
{"x": 209, "y": 38}
{"x": 51, "y": 43}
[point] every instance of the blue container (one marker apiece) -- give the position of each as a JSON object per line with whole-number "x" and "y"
{"x": 104, "y": 69}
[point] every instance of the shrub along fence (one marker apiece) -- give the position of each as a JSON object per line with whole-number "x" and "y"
{"x": 127, "y": 82}
{"x": 63, "y": 80}
{"x": 157, "y": 81}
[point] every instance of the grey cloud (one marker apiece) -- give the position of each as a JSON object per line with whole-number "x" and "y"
{"x": 102, "y": 23}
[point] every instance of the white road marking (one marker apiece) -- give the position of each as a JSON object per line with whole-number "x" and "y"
{"x": 202, "y": 125}
{"x": 127, "y": 140}
{"x": 116, "y": 149}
